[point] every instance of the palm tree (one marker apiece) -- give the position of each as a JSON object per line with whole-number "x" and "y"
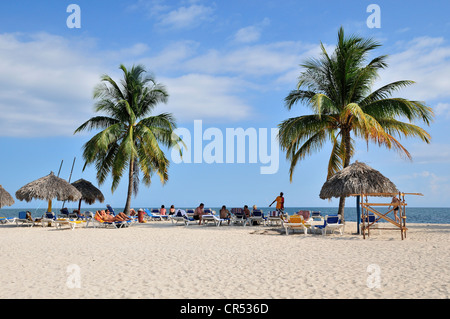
{"x": 338, "y": 90}
{"x": 129, "y": 138}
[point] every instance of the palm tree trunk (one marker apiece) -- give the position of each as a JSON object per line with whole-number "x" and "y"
{"x": 347, "y": 143}
{"x": 130, "y": 187}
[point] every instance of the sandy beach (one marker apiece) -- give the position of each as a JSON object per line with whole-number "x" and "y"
{"x": 163, "y": 260}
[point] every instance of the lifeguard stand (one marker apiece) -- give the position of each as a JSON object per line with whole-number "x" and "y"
{"x": 367, "y": 208}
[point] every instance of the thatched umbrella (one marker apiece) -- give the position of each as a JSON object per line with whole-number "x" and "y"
{"x": 5, "y": 198}
{"x": 48, "y": 188}
{"x": 89, "y": 193}
{"x": 357, "y": 178}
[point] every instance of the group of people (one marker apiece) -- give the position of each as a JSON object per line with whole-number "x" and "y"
{"x": 106, "y": 216}
{"x": 224, "y": 213}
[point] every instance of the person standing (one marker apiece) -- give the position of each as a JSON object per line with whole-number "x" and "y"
{"x": 395, "y": 204}
{"x": 280, "y": 203}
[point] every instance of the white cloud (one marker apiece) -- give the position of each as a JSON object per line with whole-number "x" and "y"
{"x": 443, "y": 109}
{"x": 186, "y": 17}
{"x": 45, "y": 85}
{"x": 199, "y": 96}
{"x": 251, "y": 33}
{"x": 424, "y": 60}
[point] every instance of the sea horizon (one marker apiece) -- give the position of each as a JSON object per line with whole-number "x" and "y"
{"x": 425, "y": 215}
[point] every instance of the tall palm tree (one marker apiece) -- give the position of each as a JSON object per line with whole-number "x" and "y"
{"x": 338, "y": 90}
{"x": 129, "y": 137}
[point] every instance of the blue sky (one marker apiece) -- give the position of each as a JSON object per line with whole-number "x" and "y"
{"x": 227, "y": 63}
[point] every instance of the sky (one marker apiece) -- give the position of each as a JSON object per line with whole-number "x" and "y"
{"x": 227, "y": 66}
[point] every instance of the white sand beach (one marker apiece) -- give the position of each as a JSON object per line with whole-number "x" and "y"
{"x": 162, "y": 260}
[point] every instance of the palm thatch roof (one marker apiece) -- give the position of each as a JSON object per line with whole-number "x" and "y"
{"x": 5, "y": 198}
{"x": 89, "y": 193}
{"x": 355, "y": 179}
{"x": 48, "y": 188}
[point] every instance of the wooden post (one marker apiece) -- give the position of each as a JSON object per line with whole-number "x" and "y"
{"x": 358, "y": 213}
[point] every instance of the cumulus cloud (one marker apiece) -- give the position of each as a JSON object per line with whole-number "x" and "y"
{"x": 425, "y": 60}
{"x": 181, "y": 16}
{"x": 251, "y": 33}
{"x": 45, "y": 85}
{"x": 200, "y": 96}
{"x": 186, "y": 17}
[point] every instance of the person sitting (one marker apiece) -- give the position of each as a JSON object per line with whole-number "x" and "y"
{"x": 224, "y": 213}
{"x": 246, "y": 212}
{"x": 162, "y": 211}
{"x": 171, "y": 210}
{"x": 199, "y": 212}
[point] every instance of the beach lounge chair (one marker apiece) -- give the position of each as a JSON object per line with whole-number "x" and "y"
{"x": 189, "y": 220}
{"x": 64, "y": 213}
{"x": 332, "y": 223}
{"x": 305, "y": 213}
{"x": 257, "y": 216}
{"x": 274, "y": 217}
{"x": 296, "y": 222}
{"x": 48, "y": 219}
{"x": 238, "y": 216}
{"x": 153, "y": 214}
{"x": 8, "y": 220}
{"x": 212, "y": 218}
{"x": 98, "y": 222}
{"x": 124, "y": 223}
{"x": 24, "y": 220}
{"x": 157, "y": 212}
{"x": 190, "y": 212}
{"x": 72, "y": 223}
{"x": 178, "y": 216}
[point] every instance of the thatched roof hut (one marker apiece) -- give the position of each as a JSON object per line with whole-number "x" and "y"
{"x": 89, "y": 193}
{"x": 355, "y": 179}
{"x": 5, "y": 198}
{"x": 48, "y": 188}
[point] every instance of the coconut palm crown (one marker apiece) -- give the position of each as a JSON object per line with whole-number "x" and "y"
{"x": 338, "y": 90}
{"x": 129, "y": 138}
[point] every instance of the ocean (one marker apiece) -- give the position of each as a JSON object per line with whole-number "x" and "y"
{"x": 427, "y": 215}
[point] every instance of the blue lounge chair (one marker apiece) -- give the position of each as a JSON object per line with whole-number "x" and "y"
{"x": 238, "y": 216}
{"x": 24, "y": 220}
{"x": 153, "y": 214}
{"x": 257, "y": 216}
{"x": 66, "y": 214}
{"x": 178, "y": 216}
{"x": 331, "y": 222}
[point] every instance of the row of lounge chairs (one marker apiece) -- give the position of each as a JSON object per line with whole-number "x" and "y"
{"x": 302, "y": 220}
{"x": 313, "y": 221}
{"x": 65, "y": 218}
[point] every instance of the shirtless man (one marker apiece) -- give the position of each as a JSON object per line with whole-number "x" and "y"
{"x": 199, "y": 212}
{"x": 395, "y": 203}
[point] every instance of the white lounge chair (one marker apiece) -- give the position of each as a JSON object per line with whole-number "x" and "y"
{"x": 212, "y": 218}
{"x": 274, "y": 217}
{"x": 332, "y": 223}
{"x": 72, "y": 223}
{"x": 256, "y": 216}
{"x": 24, "y": 220}
{"x": 8, "y": 220}
{"x": 178, "y": 216}
{"x": 189, "y": 220}
{"x": 238, "y": 216}
{"x": 296, "y": 222}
